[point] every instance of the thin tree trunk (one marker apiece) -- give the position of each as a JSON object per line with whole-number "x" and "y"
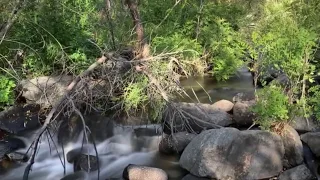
{"x": 141, "y": 46}
{"x": 111, "y": 27}
{"x": 14, "y": 14}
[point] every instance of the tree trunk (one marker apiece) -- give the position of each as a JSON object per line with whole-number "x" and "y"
{"x": 142, "y": 48}
{"x": 111, "y": 28}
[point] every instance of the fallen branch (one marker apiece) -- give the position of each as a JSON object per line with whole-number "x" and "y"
{"x": 56, "y": 106}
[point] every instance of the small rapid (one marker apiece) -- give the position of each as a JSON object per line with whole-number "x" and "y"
{"x": 114, "y": 154}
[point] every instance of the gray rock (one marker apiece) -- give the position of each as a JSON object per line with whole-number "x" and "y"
{"x": 86, "y": 163}
{"x": 311, "y": 161}
{"x": 293, "y": 147}
{"x": 313, "y": 141}
{"x": 223, "y": 105}
{"x": 9, "y": 145}
{"x": 302, "y": 125}
{"x": 243, "y": 96}
{"x": 300, "y": 172}
{"x": 175, "y": 143}
{"x": 136, "y": 172}
{"x": 232, "y": 154}
{"x": 80, "y": 175}
{"x": 242, "y": 114}
{"x": 192, "y": 177}
{"x": 18, "y": 119}
{"x": 193, "y": 117}
{"x": 45, "y": 90}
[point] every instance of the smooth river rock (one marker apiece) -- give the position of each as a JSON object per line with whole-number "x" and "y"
{"x": 242, "y": 114}
{"x": 193, "y": 117}
{"x": 223, "y": 105}
{"x": 175, "y": 143}
{"x": 313, "y": 141}
{"x": 228, "y": 153}
{"x": 304, "y": 125}
{"x": 293, "y": 147}
{"x": 300, "y": 172}
{"x": 137, "y": 172}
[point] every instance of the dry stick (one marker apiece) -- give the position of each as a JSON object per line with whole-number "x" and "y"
{"x": 55, "y": 107}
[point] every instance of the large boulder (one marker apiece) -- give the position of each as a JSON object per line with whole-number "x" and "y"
{"x": 45, "y": 90}
{"x": 175, "y": 143}
{"x": 21, "y": 118}
{"x": 293, "y": 147}
{"x": 193, "y": 117}
{"x": 313, "y": 141}
{"x": 223, "y": 105}
{"x": 300, "y": 172}
{"x": 137, "y": 172}
{"x": 303, "y": 125}
{"x": 228, "y": 153}
{"x": 242, "y": 114}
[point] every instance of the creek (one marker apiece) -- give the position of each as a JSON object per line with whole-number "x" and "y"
{"x": 125, "y": 147}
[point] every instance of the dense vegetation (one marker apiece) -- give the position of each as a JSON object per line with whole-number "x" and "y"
{"x": 191, "y": 36}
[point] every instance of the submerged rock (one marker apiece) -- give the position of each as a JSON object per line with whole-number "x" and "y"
{"x": 80, "y": 175}
{"x": 21, "y": 118}
{"x": 223, "y": 105}
{"x": 86, "y": 163}
{"x": 242, "y": 114}
{"x": 232, "y": 154}
{"x": 136, "y": 172}
{"x": 297, "y": 173}
{"x": 192, "y": 177}
{"x": 313, "y": 141}
{"x": 293, "y": 147}
{"x": 175, "y": 143}
{"x": 193, "y": 117}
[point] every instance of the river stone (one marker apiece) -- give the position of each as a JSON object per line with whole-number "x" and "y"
{"x": 80, "y": 175}
{"x": 300, "y": 172}
{"x": 193, "y": 117}
{"x": 54, "y": 88}
{"x": 82, "y": 163}
{"x": 137, "y": 172}
{"x": 223, "y": 105}
{"x": 20, "y": 118}
{"x": 302, "y": 125}
{"x": 312, "y": 139}
{"x": 311, "y": 161}
{"x": 175, "y": 143}
{"x": 9, "y": 145}
{"x": 242, "y": 114}
{"x": 293, "y": 147}
{"x": 232, "y": 154}
{"x": 192, "y": 177}
{"x": 244, "y": 96}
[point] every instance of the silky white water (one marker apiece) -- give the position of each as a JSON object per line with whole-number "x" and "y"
{"x": 115, "y": 154}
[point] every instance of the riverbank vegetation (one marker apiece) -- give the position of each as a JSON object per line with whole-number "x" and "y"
{"x": 159, "y": 41}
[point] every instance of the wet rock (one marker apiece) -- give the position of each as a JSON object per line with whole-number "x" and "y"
{"x": 193, "y": 117}
{"x": 101, "y": 127}
{"x": 293, "y": 147}
{"x": 54, "y": 88}
{"x": 242, "y": 114}
{"x": 136, "y": 172}
{"x": 18, "y": 157}
{"x": 300, "y": 172}
{"x": 9, "y": 145}
{"x": 175, "y": 143}
{"x": 223, "y": 105}
{"x": 86, "y": 163}
{"x": 192, "y": 177}
{"x": 147, "y": 131}
{"x": 243, "y": 96}
{"x": 80, "y": 175}
{"x": 302, "y": 125}
{"x": 228, "y": 153}
{"x": 313, "y": 141}
{"x": 21, "y": 118}
{"x": 311, "y": 161}
{"x": 75, "y": 153}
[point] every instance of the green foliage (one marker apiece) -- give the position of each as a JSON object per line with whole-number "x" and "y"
{"x": 314, "y": 100}
{"x": 272, "y": 107}
{"x": 6, "y": 91}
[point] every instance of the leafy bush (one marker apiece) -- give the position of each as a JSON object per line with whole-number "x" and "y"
{"x": 314, "y": 100}
{"x": 271, "y": 107}
{"x": 6, "y": 91}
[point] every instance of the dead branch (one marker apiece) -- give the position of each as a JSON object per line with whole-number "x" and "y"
{"x": 58, "y": 104}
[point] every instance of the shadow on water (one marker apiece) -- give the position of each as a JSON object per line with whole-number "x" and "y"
{"x": 208, "y": 90}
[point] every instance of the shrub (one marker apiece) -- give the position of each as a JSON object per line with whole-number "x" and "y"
{"x": 6, "y": 91}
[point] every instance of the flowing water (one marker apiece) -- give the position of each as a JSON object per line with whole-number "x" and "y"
{"x": 125, "y": 147}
